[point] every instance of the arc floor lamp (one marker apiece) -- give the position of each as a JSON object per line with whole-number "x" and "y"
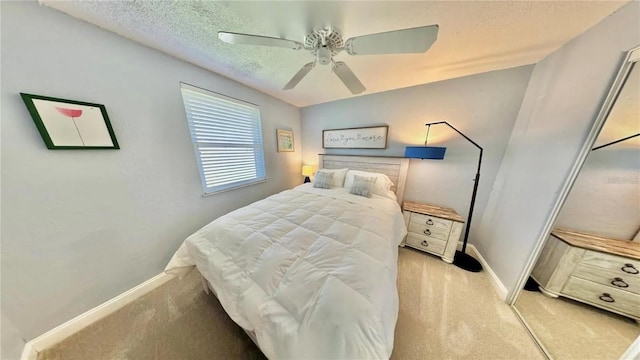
{"x": 461, "y": 259}
{"x": 616, "y": 141}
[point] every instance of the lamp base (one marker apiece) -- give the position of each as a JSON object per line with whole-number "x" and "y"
{"x": 306, "y": 179}
{"x": 531, "y": 285}
{"x": 466, "y": 262}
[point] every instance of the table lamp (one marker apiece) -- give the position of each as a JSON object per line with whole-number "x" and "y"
{"x": 307, "y": 171}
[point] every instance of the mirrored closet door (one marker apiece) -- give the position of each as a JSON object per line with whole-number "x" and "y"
{"x": 582, "y": 298}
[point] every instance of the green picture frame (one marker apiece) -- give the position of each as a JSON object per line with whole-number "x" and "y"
{"x": 70, "y": 124}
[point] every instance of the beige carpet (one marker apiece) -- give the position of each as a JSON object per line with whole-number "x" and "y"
{"x": 572, "y": 330}
{"x": 175, "y": 321}
{"x": 445, "y": 313}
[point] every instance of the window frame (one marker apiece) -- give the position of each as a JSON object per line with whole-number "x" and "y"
{"x": 211, "y": 190}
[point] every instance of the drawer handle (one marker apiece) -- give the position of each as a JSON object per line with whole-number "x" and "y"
{"x": 429, "y": 222}
{"x": 619, "y": 283}
{"x": 424, "y": 243}
{"x": 629, "y": 269}
{"x": 606, "y": 297}
{"x": 427, "y": 232}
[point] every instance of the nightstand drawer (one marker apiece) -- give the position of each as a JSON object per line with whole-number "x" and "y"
{"x": 603, "y": 296}
{"x": 426, "y": 243}
{"x": 613, "y": 279}
{"x": 618, "y": 264}
{"x": 431, "y": 221}
{"x": 426, "y": 230}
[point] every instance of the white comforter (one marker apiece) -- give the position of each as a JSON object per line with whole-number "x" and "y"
{"x": 312, "y": 272}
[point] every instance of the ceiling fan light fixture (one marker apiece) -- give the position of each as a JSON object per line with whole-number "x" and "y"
{"x": 324, "y": 55}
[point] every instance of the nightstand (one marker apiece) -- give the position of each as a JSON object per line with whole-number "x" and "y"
{"x": 592, "y": 269}
{"x": 433, "y": 229}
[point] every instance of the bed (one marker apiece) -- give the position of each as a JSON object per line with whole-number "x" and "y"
{"x": 309, "y": 273}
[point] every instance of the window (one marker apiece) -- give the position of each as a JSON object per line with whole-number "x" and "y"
{"x": 227, "y": 138}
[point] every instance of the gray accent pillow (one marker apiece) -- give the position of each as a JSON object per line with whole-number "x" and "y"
{"x": 362, "y": 186}
{"x": 323, "y": 180}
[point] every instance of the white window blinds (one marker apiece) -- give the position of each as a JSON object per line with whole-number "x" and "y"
{"x": 227, "y": 138}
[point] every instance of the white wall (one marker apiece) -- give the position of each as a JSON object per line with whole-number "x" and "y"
{"x": 562, "y": 100}
{"x": 605, "y": 199}
{"x": 483, "y": 107}
{"x": 80, "y": 227}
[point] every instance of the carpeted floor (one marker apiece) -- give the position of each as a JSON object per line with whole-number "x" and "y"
{"x": 572, "y": 330}
{"x": 445, "y": 313}
{"x": 175, "y": 321}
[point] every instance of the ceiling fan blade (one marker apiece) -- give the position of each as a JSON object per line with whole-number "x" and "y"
{"x": 299, "y": 75}
{"x": 248, "y": 39}
{"x": 348, "y": 77}
{"x": 415, "y": 40}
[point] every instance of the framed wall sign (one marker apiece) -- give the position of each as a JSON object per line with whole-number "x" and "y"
{"x": 69, "y": 124}
{"x": 373, "y": 137}
{"x": 285, "y": 140}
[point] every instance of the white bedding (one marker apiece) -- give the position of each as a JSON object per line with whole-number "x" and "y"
{"x": 311, "y": 271}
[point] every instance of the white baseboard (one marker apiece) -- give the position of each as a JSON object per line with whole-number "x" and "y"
{"x": 81, "y": 321}
{"x": 633, "y": 352}
{"x": 501, "y": 290}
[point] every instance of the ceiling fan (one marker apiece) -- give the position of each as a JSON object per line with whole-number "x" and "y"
{"x": 324, "y": 44}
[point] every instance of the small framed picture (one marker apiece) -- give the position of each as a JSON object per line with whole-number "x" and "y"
{"x": 285, "y": 140}
{"x": 69, "y": 124}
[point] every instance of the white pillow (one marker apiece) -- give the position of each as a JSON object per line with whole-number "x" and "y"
{"x": 381, "y": 187}
{"x": 338, "y": 176}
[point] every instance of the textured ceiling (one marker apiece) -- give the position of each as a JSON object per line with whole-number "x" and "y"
{"x": 474, "y": 37}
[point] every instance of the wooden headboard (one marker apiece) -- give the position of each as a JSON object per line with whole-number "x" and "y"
{"x": 394, "y": 167}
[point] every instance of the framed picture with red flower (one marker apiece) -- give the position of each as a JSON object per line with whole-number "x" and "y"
{"x": 70, "y": 124}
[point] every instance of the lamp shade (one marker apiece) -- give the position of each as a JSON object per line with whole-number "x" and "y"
{"x": 307, "y": 170}
{"x": 425, "y": 152}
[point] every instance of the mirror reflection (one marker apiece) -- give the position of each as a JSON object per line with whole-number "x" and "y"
{"x": 582, "y": 299}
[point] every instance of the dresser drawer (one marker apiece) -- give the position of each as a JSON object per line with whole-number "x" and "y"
{"x": 426, "y": 243}
{"x": 618, "y": 264}
{"x": 436, "y": 232}
{"x": 603, "y": 296}
{"x": 431, "y": 221}
{"x": 614, "y": 279}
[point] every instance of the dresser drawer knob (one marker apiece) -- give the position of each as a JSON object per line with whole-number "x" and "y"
{"x": 619, "y": 283}
{"x": 424, "y": 243}
{"x": 606, "y": 297}
{"x": 429, "y": 222}
{"x": 629, "y": 269}
{"x": 427, "y": 232}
